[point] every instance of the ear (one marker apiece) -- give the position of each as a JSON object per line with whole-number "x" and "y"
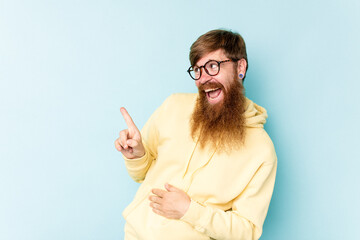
{"x": 241, "y": 67}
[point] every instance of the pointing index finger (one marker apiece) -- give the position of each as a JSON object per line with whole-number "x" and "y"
{"x": 129, "y": 122}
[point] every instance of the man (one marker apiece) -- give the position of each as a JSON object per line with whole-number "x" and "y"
{"x": 206, "y": 164}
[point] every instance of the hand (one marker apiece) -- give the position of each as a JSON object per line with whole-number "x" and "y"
{"x": 129, "y": 143}
{"x": 171, "y": 204}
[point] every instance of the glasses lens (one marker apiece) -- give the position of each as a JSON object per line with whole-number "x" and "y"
{"x": 195, "y": 72}
{"x": 212, "y": 68}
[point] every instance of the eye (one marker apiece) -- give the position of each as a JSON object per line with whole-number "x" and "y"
{"x": 196, "y": 69}
{"x": 213, "y": 65}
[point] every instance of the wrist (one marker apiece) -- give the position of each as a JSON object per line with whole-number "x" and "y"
{"x": 186, "y": 206}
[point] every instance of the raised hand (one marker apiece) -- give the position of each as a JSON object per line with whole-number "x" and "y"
{"x": 129, "y": 143}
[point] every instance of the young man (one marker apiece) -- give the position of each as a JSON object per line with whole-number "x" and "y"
{"x": 206, "y": 164}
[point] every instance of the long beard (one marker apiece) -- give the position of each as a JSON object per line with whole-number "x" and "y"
{"x": 222, "y": 125}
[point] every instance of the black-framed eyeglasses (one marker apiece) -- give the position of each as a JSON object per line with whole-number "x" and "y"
{"x": 212, "y": 67}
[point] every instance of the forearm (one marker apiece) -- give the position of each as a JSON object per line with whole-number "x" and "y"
{"x": 248, "y": 213}
{"x": 219, "y": 224}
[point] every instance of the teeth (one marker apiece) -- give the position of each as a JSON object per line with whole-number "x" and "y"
{"x": 210, "y": 90}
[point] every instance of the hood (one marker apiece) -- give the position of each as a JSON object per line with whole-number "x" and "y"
{"x": 255, "y": 115}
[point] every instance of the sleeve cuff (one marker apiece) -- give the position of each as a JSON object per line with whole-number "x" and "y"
{"x": 194, "y": 214}
{"x": 136, "y": 164}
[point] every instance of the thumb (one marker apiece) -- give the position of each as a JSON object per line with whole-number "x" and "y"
{"x": 170, "y": 188}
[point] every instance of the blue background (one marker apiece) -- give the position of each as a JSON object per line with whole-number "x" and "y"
{"x": 66, "y": 68}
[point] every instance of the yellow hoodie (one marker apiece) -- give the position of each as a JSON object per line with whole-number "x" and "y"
{"x": 230, "y": 192}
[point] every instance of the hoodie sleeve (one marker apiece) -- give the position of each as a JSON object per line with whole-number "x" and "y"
{"x": 138, "y": 167}
{"x": 249, "y": 209}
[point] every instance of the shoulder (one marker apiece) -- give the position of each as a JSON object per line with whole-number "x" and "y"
{"x": 259, "y": 142}
{"x": 179, "y": 100}
{"x": 181, "y": 97}
{"x": 176, "y": 104}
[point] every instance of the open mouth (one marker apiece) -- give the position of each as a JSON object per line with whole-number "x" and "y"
{"x": 213, "y": 94}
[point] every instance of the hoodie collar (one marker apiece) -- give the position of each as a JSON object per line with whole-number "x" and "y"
{"x": 255, "y": 115}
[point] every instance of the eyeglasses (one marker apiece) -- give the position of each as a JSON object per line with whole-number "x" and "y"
{"x": 211, "y": 67}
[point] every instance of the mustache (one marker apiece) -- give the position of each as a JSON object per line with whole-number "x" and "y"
{"x": 210, "y": 85}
